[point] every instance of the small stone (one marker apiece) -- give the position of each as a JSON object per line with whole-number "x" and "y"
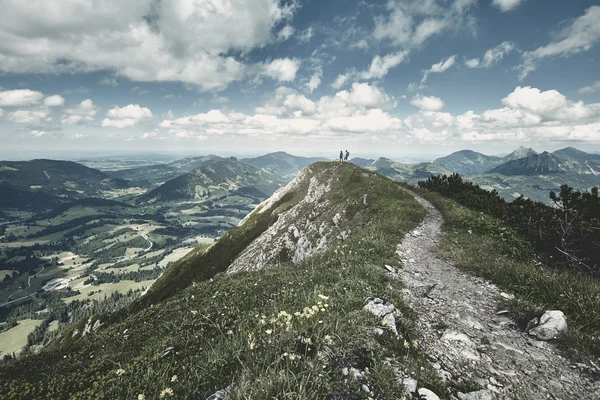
{"x": 426, "y": 394}
{"x": 410, "y": 385}
{"x": 345, "y": 371}
{"x": 411, "y": 260}
{"x": 502, "y": 312}
{"x": 366, "y": 389}
{"x": 389, "y": 268}
{"x": 507, "y": 296}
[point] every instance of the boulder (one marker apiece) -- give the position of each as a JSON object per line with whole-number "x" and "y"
{"x": 551, "y": 325}
{"x": 410, "y": 386}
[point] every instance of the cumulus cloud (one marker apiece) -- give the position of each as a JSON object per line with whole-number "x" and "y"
{"x": 492, "y": 56}
{"x": 54, "y": 101}
{"x": 19, "y": 97}
{"x": 427, "y": 103}
{"x": 28, "y": 116}
{"x": 438, "y": 68}
{"x": 142, "y": 40}
{"x": 290, "y": 113}
{"x": 84, "y": 111}
{"x": 594, "y": 88}
{"x": 381, "y": 65}
{"x": 410, "y": 23}
{"x": 282, "y": 69}
{"x": 122, "y": 117}
{"x": 578, "y": 36}
{"x": 79, "y": 136}
{"x": 507, "y": 5}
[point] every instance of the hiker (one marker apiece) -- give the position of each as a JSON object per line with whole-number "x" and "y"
{"x": 341, "y": 156}
{"x": 347, "y": 155}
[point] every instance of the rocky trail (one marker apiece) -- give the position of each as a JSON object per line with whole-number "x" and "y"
{"x": 469, "y": 338}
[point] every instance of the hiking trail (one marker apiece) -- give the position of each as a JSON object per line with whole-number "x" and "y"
{"x": 467, "y": 339}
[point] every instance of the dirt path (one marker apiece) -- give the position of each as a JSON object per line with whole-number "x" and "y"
{"x": 466, "y": 338}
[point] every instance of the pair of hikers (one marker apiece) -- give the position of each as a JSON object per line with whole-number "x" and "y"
{"x": 344, "y": 157}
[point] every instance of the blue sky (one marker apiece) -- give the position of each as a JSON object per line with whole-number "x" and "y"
{"x": 392, "y": 78}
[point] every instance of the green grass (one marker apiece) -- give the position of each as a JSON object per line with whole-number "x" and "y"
{"x": 243, "y": 328}
{"x": 13, "y": 340}
{"x": 496, "y": 253}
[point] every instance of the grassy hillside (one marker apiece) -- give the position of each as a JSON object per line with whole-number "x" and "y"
{"x": 290, "y": 329}
{"x": 64, "y": 179}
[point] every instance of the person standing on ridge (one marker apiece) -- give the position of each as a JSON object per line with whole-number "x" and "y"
{"x": 347, "y": 155}
{"x": 341, "y": 156}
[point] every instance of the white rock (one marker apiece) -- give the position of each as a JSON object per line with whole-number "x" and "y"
{"x": 507, "y": 295}
{"x": 552, "y": 324}
{"x": 389, "y": 268}
{"x": 426, "y": 394}
{"x": 382, "y": 309}
{"x": 410, "y": 385}
{"x": 454, "y": 336}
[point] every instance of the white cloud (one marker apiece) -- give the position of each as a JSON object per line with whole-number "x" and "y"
{"x": 79, "y": 136}
{"x": 594, "y": 88}
{"x": 285, "y": 33}
{"x": 368, "y": 96}
{"x": 381, "y": 65}
{"x": 472, "y": 63}
{"x": 507, "y": 5}
{"x": 314, "y": 82}
{"x": 39, "y": 133}
{"x": 84, "y": 111}
{"x": 306, "y": 35}
{"x": 142, "y": 40}
{"x": 28, "y": 116}
{"x": 122, "y": 117}
{"x": 438, "y": 68}
{"x": 109, "y": 82}
{"x": 427, "y": 103}
{"x": 361, "y": 44}
{"x": 492, "y": 56}
{"x": 282, "y": 69}
{"x": 580, "y": 35}
{"x": 550, "y": 105}
{"x": 341, "y": 80}
{"x": 19, "y": 97}
{"x": 54, "y": 101}
{"x": 411, "y": 23}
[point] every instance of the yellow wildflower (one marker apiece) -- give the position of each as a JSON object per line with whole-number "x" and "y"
{"x": 120, "y": 371}
{"x": 168, "y": 392}
{"x": 252, "y": 345}
{"x": 268, "y": 331}
{"x": 406, "y": 344}
{"x": 174, "y": 378}
{"x": 141, "y": 396}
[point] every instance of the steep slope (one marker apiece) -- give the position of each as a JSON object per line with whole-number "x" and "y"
{"x": 64, "y": 179}
{"x": 468, "y": 162}
{"x": 281, "y": 163}
{"x": 223, "y": 177}
{"x": 521, "y": 152}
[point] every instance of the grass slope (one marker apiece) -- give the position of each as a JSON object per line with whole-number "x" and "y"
{"x": 289, "y": 329}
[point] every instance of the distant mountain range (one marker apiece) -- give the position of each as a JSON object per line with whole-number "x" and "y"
{"x": 155, "y": 174}
{"x": 44, "y": 184}
{"x": 219, "y": 178}
{"x": 281, "y": 163}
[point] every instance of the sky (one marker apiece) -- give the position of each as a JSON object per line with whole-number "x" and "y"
{"x": 395, "y": 78}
